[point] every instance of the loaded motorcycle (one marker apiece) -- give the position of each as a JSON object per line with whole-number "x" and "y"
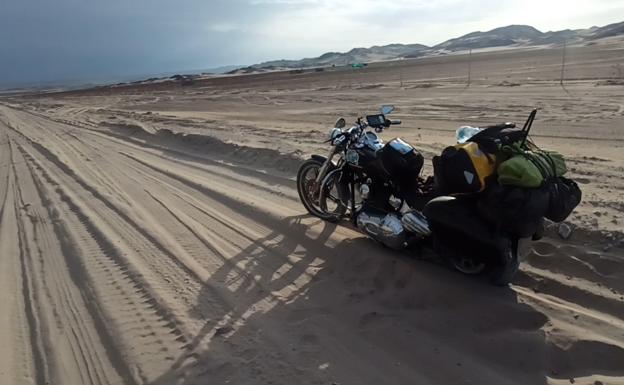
{"x": 379, "y": 188}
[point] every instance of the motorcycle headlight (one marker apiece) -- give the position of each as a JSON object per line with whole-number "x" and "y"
{"x": 334, "y": 132}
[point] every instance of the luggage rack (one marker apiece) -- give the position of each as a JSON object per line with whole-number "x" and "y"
{"x": 527, "y": 126}
{"x": 490, "y": 138}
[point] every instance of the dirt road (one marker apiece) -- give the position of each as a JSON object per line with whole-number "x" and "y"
{"x": 124, "y": 262}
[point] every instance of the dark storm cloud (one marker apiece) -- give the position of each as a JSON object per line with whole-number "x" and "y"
{"x": 105, "y": 40}
{"x": 99, "y": 40}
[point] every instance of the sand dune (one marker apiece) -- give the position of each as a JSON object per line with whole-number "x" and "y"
{"x": 155, "y": 237}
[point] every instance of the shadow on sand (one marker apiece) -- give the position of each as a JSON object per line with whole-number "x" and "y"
{"x": 311, "y": 307}
{"x": 308, "y": 309}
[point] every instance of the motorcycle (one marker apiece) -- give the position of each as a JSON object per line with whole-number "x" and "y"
{"x": 378, "y": 187}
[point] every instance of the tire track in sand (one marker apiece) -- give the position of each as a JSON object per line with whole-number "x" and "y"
{"x": 79, "y": 326}
{"x": 117, "y": 272}
{"x": 120, "y": 302}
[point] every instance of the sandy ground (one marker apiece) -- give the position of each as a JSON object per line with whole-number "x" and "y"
{"x": 153, "y": 235}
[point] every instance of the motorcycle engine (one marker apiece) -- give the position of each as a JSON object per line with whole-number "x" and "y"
{"x": 377, "y": 195}
{"x": 381, "y": 220}
{"x": 384, "y": 228}
{"x": 415, "y": 222}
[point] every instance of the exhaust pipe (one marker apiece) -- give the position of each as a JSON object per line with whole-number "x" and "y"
{"x": 415, "y": 222}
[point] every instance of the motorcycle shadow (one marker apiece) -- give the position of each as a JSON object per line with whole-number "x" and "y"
{"x": 317, "y": 303}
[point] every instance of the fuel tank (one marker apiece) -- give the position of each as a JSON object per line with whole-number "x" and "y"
{"x": 397, "y": 160}
{"x": 401, "y": 161}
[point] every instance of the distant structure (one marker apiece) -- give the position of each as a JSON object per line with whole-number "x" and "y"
{"x": 469, "y": 65}
{"x": 563, "y": 63}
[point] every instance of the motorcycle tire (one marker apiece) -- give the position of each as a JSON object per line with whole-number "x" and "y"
{"x": 508, "y": 264}
{"x": 325, "y": 195}
{"x": 308, "y": 194}
{"x": 462, "y": 263}
{"x": 468, "y": 266}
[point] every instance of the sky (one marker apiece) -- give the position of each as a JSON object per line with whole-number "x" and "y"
{"x": 107, "y": 40}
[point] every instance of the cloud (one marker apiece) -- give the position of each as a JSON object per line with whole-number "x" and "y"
{"x": 224, "y": 27}
{"x": 341, "y": 25}
{"x": 101, "y": 40}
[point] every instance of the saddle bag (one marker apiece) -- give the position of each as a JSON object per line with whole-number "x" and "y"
{"x": 529, "y": 167}
{"x": 565, "y": 195}
{"x": 463, "y": 168}
{"x": 515, "y": 210}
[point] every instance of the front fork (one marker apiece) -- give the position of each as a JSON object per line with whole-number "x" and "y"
{"x": 353, "y": 213}
{"x": 323, "y": 170}
{"x": 347, "y": 185}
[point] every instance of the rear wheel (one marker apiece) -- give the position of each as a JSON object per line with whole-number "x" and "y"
{"x": 461, "y": 262}
{"x": 508, "y": 263}
{"x": 468, "y": 265}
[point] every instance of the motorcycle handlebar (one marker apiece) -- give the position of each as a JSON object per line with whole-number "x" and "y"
{"x": 361, "y": 124}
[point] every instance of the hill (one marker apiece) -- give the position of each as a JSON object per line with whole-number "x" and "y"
{"x": 512, "y": 35}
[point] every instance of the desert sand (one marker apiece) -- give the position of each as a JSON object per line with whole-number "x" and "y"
{"x": 152, "y": 234}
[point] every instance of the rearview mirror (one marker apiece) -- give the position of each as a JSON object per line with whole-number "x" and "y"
{"x": 386, "y": 109}
{"x": 340, "y": 123}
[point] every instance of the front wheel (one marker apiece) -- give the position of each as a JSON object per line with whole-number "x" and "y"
{"x": 309, "y": 190}
{"x": 332, "y": 197}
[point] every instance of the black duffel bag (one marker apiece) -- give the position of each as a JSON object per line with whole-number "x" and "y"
{"x": 517, "y": 211}
{"x": 565, "y": 195}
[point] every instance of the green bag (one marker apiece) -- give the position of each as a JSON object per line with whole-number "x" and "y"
{"x": 529, "y": 167}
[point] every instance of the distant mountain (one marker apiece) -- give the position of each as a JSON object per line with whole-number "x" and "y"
{"x": 512, "y": 35}
{"x": 528, "y": 36}
{"x": 495, "y": 38}
{"x": 558, "y": 37}
{"x": 356, "y": 55}
{"x": 609, "y": 30}
{"x": 222, "y": 70}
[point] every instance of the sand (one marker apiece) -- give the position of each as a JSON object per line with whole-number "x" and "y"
{"x": 153, "y": 235}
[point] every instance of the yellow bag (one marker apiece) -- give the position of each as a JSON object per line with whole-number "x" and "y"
{"x": 463, "y": 168}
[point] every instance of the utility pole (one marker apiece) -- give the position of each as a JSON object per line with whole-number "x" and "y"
{"x": 469, "y": 64}
{"x": 563, "y": 63}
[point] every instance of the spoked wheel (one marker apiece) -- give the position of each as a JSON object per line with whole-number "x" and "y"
{"x": 330, "y": 200}
{"x": 309, "y": 190}
{"x": 307, "y": 187}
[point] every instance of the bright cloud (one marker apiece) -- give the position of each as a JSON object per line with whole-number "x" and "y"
{"x": 74, "y": 39}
